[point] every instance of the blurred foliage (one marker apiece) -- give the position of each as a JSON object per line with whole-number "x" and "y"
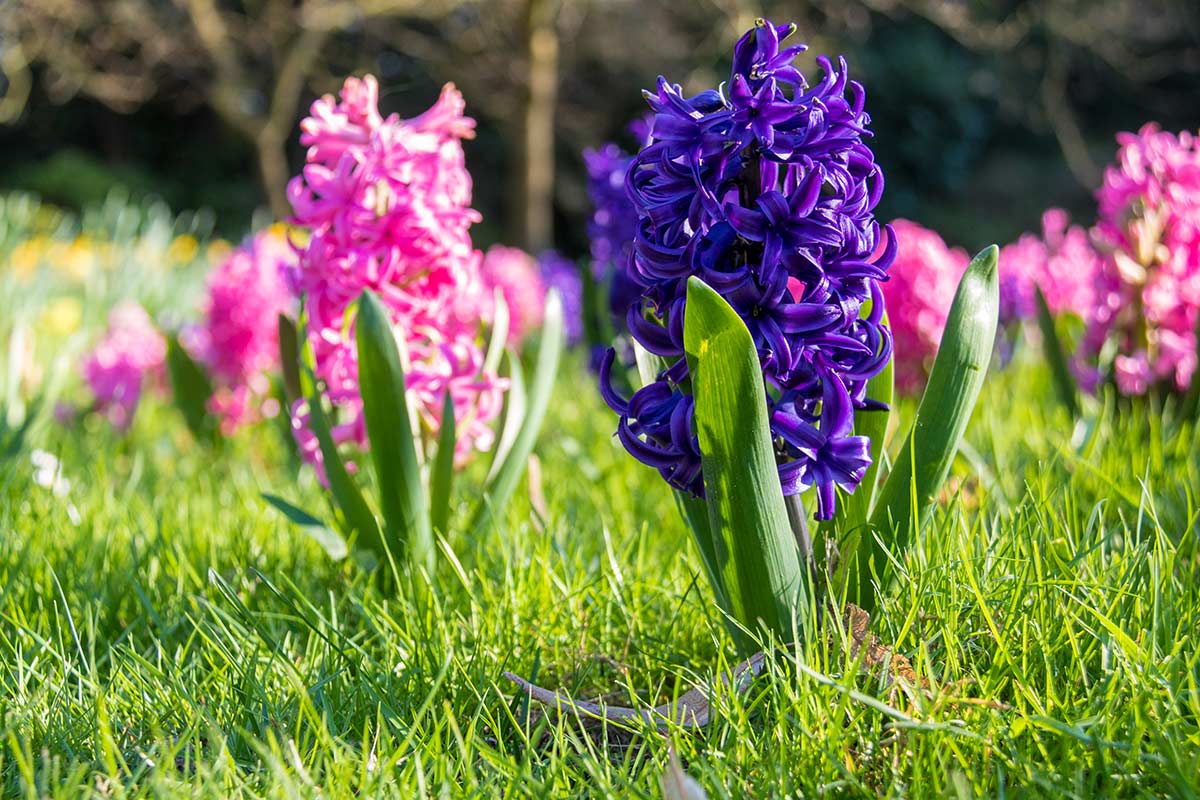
{"x": 978, "y": 106}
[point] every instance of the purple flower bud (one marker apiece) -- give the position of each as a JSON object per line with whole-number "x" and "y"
{"x": 767, "y": 193}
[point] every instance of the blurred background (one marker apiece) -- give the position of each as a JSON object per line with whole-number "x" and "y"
{"x": 985, "y": 111}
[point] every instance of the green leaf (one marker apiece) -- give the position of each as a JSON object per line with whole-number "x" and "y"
{"x": 333, "y": 544}
{"x": 407, "y": 530}
{"x": 441, "y": 481}
{"x": 958, "y": 373}
{"x": 1056, "y": 358}
{"x": 500, "y": 489}
{"x": 289, "y": 358}
{"x": 849, "y": 524}
{"x": 511, "y": 415}
{"x": 648, "y": 364}
{"x": 191, "y": 388}
{"x": 500, "y": 322}
{"x": 754, "y": 547}
{"x": 357, "y": 517}
{"x": 855, "y": 508}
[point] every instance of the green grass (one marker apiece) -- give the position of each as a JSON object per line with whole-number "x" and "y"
{"x": 183, "y": 639}
{"x": 164, "y": 632}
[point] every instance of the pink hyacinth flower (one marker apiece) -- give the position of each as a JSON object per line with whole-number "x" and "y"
{"x": 238, "y": 339}
{"x": 387, "y": 204}
{"x": 1061, "y": 262}
{"x": 131, "y": 353}
{"x": 1148, "y": 290}
{"x": 516, "y": 275}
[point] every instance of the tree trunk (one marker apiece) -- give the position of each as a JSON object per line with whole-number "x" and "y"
{"x": 273, "y": 171}
{"x": 537, "y": 141}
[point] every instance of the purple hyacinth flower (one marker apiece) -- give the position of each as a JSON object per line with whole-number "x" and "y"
{"x": 768, "y": 195}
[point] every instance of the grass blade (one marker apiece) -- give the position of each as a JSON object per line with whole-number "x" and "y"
{"x": 754, "y": 547}
{"x": 500, "y": 490}
{"x": 920, "y": 470}
{"x": 441, "y": 479}
{"x": 1056, "y": 358}
{"x": 407, "y": 531}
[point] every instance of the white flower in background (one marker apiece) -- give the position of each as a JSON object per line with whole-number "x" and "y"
{"x": 47, "y": 473}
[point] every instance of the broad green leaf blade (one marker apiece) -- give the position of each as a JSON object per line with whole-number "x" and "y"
{"x": 1056, "y": 357}
{"x": 190, "y": 388}
{"x": 289, "y": 358}
{"x": 500, "y": 490}
{"x": 754, "y": 547}
{"x": 333, "y": 544}
{"x": 849, "y": 524}
{"x": 441, "y": 480}
{"x": 856, "y": 508}
{"x": 500, "y": 322}
{"x": 958, "y": 373}
{"x": 511, "y": 415}
{"x": 407, "y": 531}
{"x": 357, "y": 516}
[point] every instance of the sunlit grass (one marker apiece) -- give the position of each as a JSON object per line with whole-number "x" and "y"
{"x": 163, "y": 632}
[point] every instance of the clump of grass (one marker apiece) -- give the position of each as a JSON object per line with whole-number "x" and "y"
{"x": 182, "y": 639}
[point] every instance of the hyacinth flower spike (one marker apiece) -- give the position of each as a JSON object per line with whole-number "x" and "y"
{"x": 760, "y": 199}
{"x": 393, "y": 356}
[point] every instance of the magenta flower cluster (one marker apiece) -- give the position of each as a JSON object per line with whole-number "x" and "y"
{"x": 131, "y": 355}
{"x": 387, "y": 205}
{"x": 514, "y": 274}
{"x": 919, "y": 291}
{"x": 1134, "y": 277}
{"x": 1149, "y": 235}
{"x": 1062, "y": 263}
{"x": 238, "y": 338}
{"x": 766, "y": 190}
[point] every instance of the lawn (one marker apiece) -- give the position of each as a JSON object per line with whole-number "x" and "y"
{"x": 164, "y": 632}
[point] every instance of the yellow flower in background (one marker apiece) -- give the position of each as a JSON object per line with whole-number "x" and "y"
{"x": 218, "y": 249}
{"x": 26, "y": 257}
{"x": 183, "y": 249}
{"x": 76, "y": 260}
{"x": 61, "y": 317}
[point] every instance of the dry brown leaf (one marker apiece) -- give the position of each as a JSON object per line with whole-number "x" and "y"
{"x": 857, "y": 625}
{"x": 692, "y": 710}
